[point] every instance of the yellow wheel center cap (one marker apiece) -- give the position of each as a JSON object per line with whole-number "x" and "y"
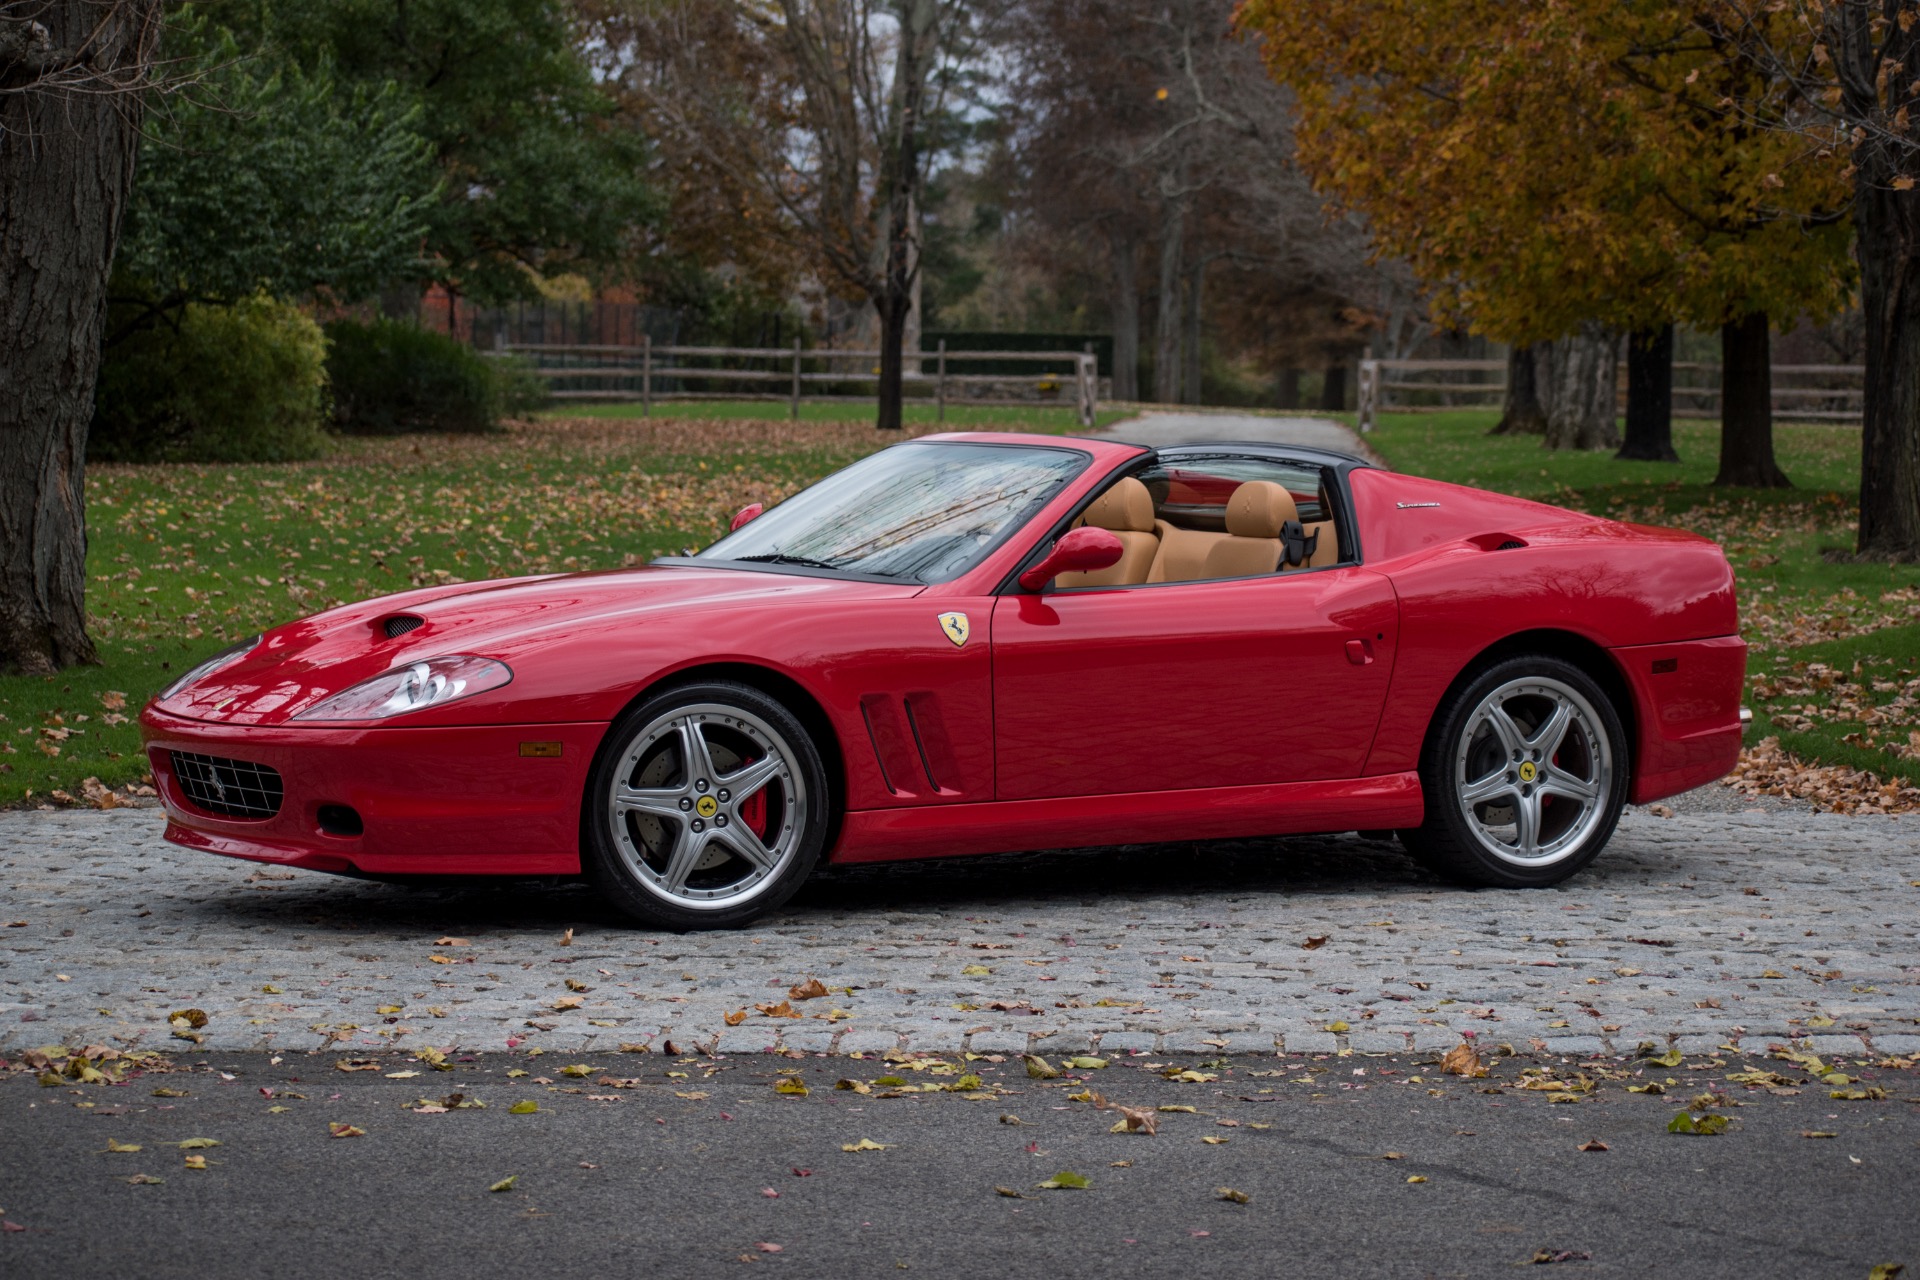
{"x": 706, "y": 806}
{"x": 1528, "y": 772}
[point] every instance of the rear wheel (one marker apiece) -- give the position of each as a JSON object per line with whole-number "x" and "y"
{"x": 706, "y": 808}
{"x": 1524, "y": 776}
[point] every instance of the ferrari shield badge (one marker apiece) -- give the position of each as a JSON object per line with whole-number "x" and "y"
{"x": 955, "y": 625}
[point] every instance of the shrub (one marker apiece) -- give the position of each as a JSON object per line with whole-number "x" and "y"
{"x": 240, "y": 383}
{"x": 389, "y": 377}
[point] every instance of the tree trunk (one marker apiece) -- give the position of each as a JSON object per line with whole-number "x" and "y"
{"x": 1196, "y": 294}
{"x": 1333, "y": 389}
{"x": 1521, "y": 413}
{"x": 900, "y": 173}
{"x": 1580, "y": 391}
{"x": 66, "y": 164}
{"x": 1166, "y": 322}
{"x": 1286, "y": 389}
{"x": 1746, "y": 406}
{"x": 1887, "y": 226}
{"x": 1650, "y": 397}
{"x": 1126, "y": 320}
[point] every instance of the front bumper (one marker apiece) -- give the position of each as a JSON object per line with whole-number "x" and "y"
{"x": 441, "y": 801}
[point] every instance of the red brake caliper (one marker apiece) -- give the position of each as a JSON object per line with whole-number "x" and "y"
{"x": 753, "y": 811}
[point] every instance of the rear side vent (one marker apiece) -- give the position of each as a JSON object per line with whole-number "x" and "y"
{"x": 1511, "y": 544}
{"x": 401, "y": 623}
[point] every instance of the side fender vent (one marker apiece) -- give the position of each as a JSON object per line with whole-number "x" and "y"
{"x": 401, "y": 623}
{"x": 1511, "y": 544}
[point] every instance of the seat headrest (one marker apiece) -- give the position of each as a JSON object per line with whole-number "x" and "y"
{"x": 1127, "y": 507}
{"x": 1258, "y": 508}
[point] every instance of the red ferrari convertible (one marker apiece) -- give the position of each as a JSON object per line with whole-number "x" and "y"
{"x": 979, "y": 643}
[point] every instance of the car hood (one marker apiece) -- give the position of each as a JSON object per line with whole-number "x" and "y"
{"x": 299, "y": 664}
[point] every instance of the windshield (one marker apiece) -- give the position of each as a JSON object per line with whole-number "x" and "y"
{"x": 916, "y": 512}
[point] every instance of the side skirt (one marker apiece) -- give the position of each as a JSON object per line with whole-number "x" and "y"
{"x": 1007, "y": 826}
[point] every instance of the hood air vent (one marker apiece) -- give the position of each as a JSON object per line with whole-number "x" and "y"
{"x": 401, "y": 623}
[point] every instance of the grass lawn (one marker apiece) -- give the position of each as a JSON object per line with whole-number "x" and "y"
{"x": 1055, "y": 419}
{"x": 1836, "y": 646}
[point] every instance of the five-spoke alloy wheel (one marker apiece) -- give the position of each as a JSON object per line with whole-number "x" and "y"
{"x": 1524, "y": 774}
{"x": 706, "y": 808}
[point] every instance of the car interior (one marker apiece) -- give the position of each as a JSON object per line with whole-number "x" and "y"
{"x": 1203, "y": 519}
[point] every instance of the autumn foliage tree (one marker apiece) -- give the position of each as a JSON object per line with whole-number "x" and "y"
{"x": 1842, "y": 77}
{"x": 1556, "y": 164}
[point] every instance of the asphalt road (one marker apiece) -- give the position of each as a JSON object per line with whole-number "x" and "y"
{"x": 698, "y": 1173}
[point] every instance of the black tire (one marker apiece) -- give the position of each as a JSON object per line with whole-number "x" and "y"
{"x": 674, "y": 848}
{"x": 1498, "y": 758}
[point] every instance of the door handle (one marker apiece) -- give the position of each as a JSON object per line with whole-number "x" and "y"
{"x": 1359, "y": 652}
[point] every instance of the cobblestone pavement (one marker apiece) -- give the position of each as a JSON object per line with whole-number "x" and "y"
{"x": 1695, "y": 931}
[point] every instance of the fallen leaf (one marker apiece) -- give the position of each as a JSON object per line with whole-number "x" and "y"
{"x": 865, "y": 1144}
{"x": 1592, "y": 1144}
{"x": 1038, "y": 1067}
{"x": 1417, "y": 1178}
{"x": 1065, "y": 1180}
{"x": 339, "y": 1130}
{"x": 1817, "y": 1133}
{"x": 1085, "y": 1063}
{"x": 506, "y": 1183}
{"x": 524, "y": 1107}
{"x": 1461, "y": 1060}
{"x": 195, "y": 1162}
{"x": 451, "y": 942}
{"x": 790, "y": 1086}
{"x": 975, "y": 971}
{"x": 577, "y": 1070}
{"x": 164, "y": 1092}
{"x": 122, "y": 1148}
{"x": 1702, "y": 1126}
{"x": 780, "y": 1010}
{"x": 566, "y": 939}
{"x": 766, "y": 1247}
{"x": 144, "y": 1180}
{"x": 1314, "y": 944}
{"x": 811, "y": 989}
{"x": 1214, "y": 1140}
{"x": 735, "y": 1018}
{"x": 565, "y": 1003}
{"x": 197, "y": 1144}
{"x": 1228, "y": 1193}
{"x": 1011, "y": 1194}
{"x": 1337, "y": 1027}
{"x": 1192, "y": 1111}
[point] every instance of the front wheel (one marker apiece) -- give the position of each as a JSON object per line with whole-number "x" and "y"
{"x": 1524, "y": 776}
{"x": 705, "y": 809}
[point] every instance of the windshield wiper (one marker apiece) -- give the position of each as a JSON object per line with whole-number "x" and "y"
{"x": 780, "y": 557}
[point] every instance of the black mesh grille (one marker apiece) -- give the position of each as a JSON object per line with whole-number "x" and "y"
{"x": 1511, "y": 544}
{"x": 230, "y": 788}
{"x": 401, "y": 623}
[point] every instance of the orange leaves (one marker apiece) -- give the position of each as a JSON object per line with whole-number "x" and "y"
{"x": 1461, "y": 1060}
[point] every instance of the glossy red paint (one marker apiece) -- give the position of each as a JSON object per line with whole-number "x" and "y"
{"x": 1175, "y": 710}
{"x": 746, "y": 513}
{"x": 1077, "y": 551}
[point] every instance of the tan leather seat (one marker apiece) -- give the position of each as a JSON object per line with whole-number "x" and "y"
{"x": 1327, "y": 550}
{"x": 1125, "y": 510}
{"x": 1251, "y": 545}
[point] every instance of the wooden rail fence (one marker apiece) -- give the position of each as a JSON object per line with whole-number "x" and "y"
{"x": 649, "y": 371}
{"x": 1835, "y": 395}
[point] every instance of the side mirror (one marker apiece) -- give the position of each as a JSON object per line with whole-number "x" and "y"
{"x": 1078, "y": 551}
{"x": 745, "y": 514}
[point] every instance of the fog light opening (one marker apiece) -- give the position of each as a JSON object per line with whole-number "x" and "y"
{"x": 340, "y": 820}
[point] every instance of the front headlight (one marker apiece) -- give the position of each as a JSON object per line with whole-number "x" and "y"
{"x": 414, "y": 687}
{"x": 226, "y": 657}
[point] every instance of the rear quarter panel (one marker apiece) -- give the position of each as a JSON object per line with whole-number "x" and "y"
{"x": 1644, "y": 595}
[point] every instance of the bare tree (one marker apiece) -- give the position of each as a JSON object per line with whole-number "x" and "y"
{"x": 1153, "y": 121}
{"x": 72, "y": 78}
{"x": 832, "y": 133}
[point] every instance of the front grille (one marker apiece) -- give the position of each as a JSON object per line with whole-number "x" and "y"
{"x": 401, "y": 623}
{"x": 230, "y": 788}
